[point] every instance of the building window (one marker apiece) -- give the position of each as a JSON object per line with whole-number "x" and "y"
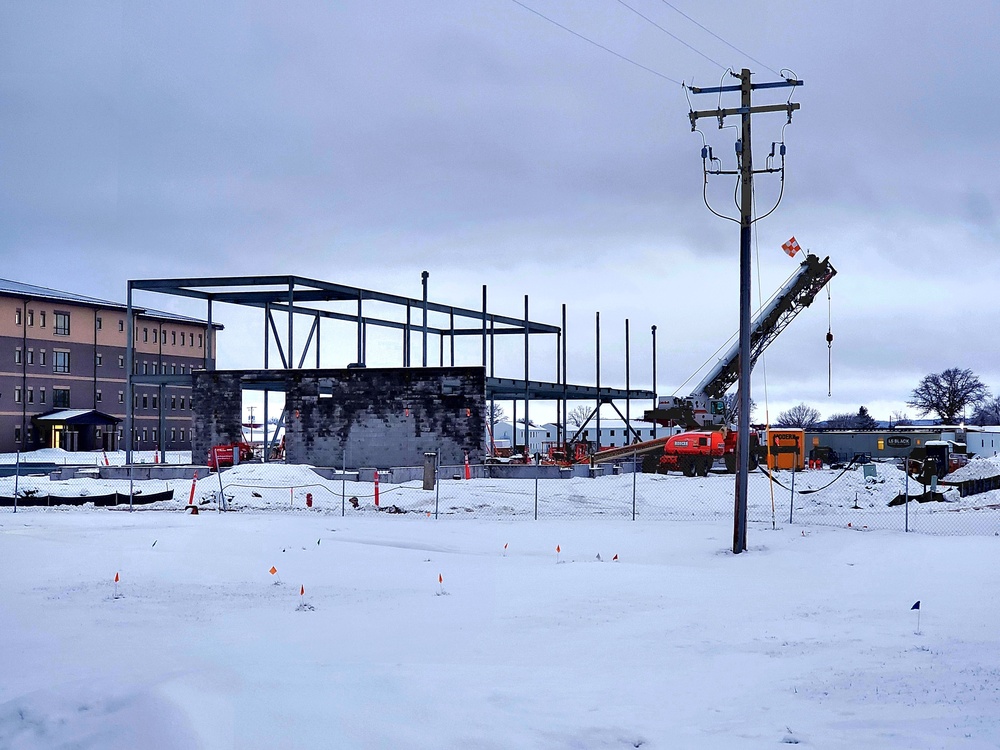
{"x": 62, "y": 323}
{"x": 155, "y": 401}
{"x": 99, "y": 323}
{"x": 182, "y": 402}
{"x": 145, "y": 367}
{"x": 41, "y": 318}
{"x": 60, "y": 361}
{"x": 121, "y": 361}
{"x": 173, "y": 434}
{"x": 60, "y": 398}
{"x": 31, "y": 356}
{"x": 121, "y": 397}
{"x": 155, "y": 433}
{"x": 881, "y": 444}
{"x": 145, "y": 401}
{"x": 183, "y": 337}
{"x": 100, "y": 359}
{"x": 173, "y": 368}
{"x": 17, "y": 434}
{"x": 163, "y": 335}
{"x": 200, "y": 338}
{"x": 173, "y": 402}
{"x": 155, "y": 336}
{"x": 41, "y": 357}
{"x": 98, "y": 397}
{"x": 17, "y": 322}
{"x": 182, "y": 433}
{"x": 121, "y": 325}
{"x": 31, "y": 317}
{"x": 17, "y": 356}
{"x": 135, "y": 400}
{"x": 173, "y": 338}
{"x": 41, "y": 395}
{"x": 31, "y": 395}
{"x": 145, "y": 334}
{"x": 145, "y": 434}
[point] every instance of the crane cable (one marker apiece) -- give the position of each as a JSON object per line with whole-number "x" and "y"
{"x": 829, "y": 341}
{"x": 763, "y": 361}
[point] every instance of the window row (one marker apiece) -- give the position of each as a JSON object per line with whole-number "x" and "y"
{"x": 60, "y": 320}
{"x": 152, "y": 401}
{"x": 159, "y": 336}
{"x": 61, "y": 362}
{"x": 60, "y": 396}
{"x": 144, "y": 435}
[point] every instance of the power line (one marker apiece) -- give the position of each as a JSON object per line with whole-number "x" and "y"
{"x": 598, "y": 45}
{"x": 709, "y": 31}
{"x": 671, "y": 35}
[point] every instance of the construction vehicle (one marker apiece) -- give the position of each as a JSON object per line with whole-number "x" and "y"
{"x": 577, "y": 452}
{"x": 703, "y": 413}
{"x": 220, "y": 456}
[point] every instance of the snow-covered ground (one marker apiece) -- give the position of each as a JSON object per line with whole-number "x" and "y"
{"x": 808, "y": 638}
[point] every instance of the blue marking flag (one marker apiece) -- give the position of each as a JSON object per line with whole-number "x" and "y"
{"x": 917, "y": 605}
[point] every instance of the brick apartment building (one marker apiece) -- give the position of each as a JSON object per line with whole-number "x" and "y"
{"x": 63, "y": 376}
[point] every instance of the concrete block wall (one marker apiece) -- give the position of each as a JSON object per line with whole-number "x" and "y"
{"x": 384, "y": 417}
{"x": 217, "y": 403}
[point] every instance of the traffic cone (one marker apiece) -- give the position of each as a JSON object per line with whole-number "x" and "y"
{"x": 376, "y": 488}
{"x": 468, "y": 471}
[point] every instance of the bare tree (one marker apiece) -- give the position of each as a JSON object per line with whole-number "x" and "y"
{"x": 948, "y": 394}
{"x": 731, "y": 404}
{"x": 494, "y": 414}
{"x": 578, "y": 415}
{"x": 844, "y": 420}
{"x": 988, "y": 412}
{"x": 802, "y": 415}
{"x": 900, "y": 419}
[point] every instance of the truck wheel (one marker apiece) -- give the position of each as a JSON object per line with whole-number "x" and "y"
{"x": 688, "y": 467}
{"x": 650, "y": 463}
{"x": 704, "y": 464}
{"x": 731, "y": 463}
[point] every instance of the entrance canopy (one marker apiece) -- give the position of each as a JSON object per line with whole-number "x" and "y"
{"x": 77, "y": 417}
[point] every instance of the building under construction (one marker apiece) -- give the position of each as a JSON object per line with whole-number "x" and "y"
{"x": 359, "y": 415}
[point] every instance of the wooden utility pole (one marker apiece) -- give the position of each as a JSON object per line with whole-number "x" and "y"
{"x": 745, "y": 170}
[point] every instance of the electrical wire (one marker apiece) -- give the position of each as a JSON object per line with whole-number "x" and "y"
{"x": 763, "y": 356}
{"x": 671, "y": 34}
{"x": 598, "y": 44}
{"x": 709, "y": 31}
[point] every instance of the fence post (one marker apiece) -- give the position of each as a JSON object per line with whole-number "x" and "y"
{"x": 791, "y": 498}
{"x": 343, "y": 483}
{"x": 222, "y": 492}
{"x": 131, "y": 492}
{"x": 536, "y": 492}
{"x": 437, "y": 482}
{"x": 17, "y": 477}
{"x": 634, "y": 455}
{"x": 906, "y": 496}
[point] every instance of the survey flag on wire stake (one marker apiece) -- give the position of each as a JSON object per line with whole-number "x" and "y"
{"x": 916, "y": 606}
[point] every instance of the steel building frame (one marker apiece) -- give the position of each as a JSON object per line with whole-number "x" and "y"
{"x": 299, "y": 296}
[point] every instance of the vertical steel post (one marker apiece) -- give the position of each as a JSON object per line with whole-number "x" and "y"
{"x": 635, "y": 470}
{"x": 17, "y": 474}
{"x": 791, "y": 498}
{"x": 598, "y": 360}
{"x": 655, "y": 424}
{"x": 451, "y": 317}
{"x": 406, "y": 337}
{"x": 291, "y": 325}
{"x": 267, "y": 347}
{"x": 565, "y": 368}
{"x": 423, "y": 280}
{"x": 318, "y": 319}
{"x": 746, "y": 220}
{"x": 484, "y": 326}
{"x": 209, "y": 353}
{"x": 628, "y": 400}
{"x": 527, "y": 395}
{"x": 361, "y": 334}
{"x": 559, "y": 429}
{"x": 130, "y": 369}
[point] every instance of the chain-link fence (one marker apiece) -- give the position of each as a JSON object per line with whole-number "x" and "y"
{"x": 862, "y": 497}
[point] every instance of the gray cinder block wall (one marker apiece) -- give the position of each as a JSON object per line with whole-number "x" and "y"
{"x": 374, "y": 417}
{"x": 217, "y": 405}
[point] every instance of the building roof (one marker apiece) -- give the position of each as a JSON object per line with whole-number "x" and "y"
{"x": 77, "y": 417}
{"x": 20, "y": 289}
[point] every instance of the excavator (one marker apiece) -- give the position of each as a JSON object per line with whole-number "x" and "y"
{"x": 702, "y": 414}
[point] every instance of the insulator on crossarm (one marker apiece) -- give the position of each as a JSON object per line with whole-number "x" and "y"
{"x": 739, "y": 146}
{"x": 704, "y": 152}
{"x": 829, "y": 339}
{"x": 782, "y": 149}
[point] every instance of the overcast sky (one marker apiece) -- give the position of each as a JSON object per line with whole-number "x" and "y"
{"x": 363, "y": 142}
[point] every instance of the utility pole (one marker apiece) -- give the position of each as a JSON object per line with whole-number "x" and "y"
{"x": 745, "y": 171}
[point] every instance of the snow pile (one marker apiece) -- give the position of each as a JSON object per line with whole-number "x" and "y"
{"x": 977, "y": 468}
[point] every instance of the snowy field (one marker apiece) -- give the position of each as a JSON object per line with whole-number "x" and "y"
{"x": 808, "y": 638}
{"x": 534, "y": 636}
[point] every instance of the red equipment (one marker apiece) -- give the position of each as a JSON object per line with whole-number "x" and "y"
{"x": 229, "y": 455}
